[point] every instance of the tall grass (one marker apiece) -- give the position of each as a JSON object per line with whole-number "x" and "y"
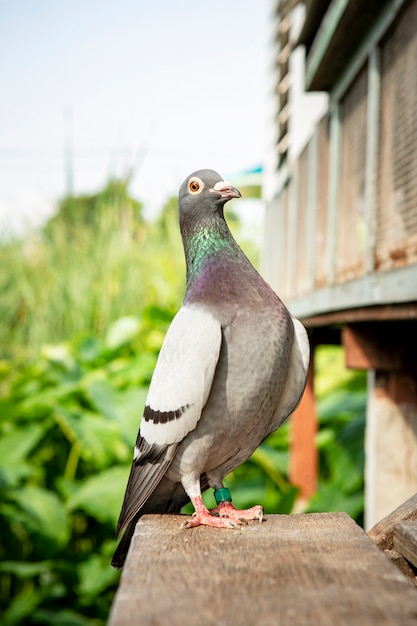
{"x": 73, "y": 278}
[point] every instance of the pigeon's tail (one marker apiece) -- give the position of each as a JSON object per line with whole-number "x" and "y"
{"x": 168, "y": 497}
{"x": 119, "y": 557}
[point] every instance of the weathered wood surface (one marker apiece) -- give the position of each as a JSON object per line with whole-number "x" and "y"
{"x": 405, "y": 540}
{"x": 306, "y": 569}
{"x": 383, "y": 535}
{"x": 304, "y": 453}
{"x": 403, "y": 565}
{"x": 383, "y": 532}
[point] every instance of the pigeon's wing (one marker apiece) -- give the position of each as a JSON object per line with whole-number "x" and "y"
{"x": 179, "y": 389}
{"x": 183, "y": 376}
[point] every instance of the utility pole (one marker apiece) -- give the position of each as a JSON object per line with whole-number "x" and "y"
{"x": 68, "y": 152}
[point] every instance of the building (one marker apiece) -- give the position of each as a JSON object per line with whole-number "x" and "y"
{"x": 341, "y": 210}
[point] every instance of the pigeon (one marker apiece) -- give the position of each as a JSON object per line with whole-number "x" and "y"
{"x": 232, "y": 368}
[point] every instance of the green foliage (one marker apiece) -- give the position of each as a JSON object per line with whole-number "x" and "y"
{"x": 68, "y": 423}
{"x": 80, "y": 274}
{"x": 341, "y": 396}
{"x": 87, "y": 210}
{"x": 85, "y": 305}
{"x": 251, "y": 191}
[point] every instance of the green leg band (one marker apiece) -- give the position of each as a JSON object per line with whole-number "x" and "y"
{"x": 222, "y": 495}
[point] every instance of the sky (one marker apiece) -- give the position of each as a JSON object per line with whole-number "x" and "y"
{"x": 165, "y": 87}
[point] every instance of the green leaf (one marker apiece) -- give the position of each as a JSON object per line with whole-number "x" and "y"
{"x": 347, "y": 475}
{"x": 131, "y": 404}
{"x": 95, "y": 576}
{"x": 7, "y": 409}
{"x": 99, "y": 441}
{"x": 59, "y": 354}
{"x": 89, "y": 350}
{"x": 24, "y": 569}
{"x": 16, "y": 445}
{"x": 63, "y": 617}
{"x": 329, "y": 498}
{"x": 101, "y": 496}
{"x": 268, "y": 460}
{"x": 125, "y": 407}
{"x": 341, "y": 405}
{"x": 45, "y": 515}
{"x": 14, "y": 448}
{"x": 122, "y": 331}
{"x": 287, "y": 500}
{"x": 22, "y": 605}
{"x": 136, "y": 371}
{"x": 347, "y": 455}
{"x": 103, "y": 397}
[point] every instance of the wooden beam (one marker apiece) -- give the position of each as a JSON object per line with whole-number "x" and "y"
{"x": 390, "y": 442}
{"x": 391, "y": 288}
{"x": 366, "y": 347}
{"x": 364, "y": 314}
{"x": 405, "y": 540}
{"x": 318, "y": 568}
{"x": 403, "y": 565}
{"x": 383, "y": 532}
{"x": 303, "y": 449}
{"x": 387, "y": 346}
{"x": 387, "y": 350}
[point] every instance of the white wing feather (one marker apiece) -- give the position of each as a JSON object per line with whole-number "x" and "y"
{"x": 183, "y": 375}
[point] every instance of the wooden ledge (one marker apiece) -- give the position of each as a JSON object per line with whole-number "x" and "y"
{"x": 383, "y": 532}
{"x": 305, "y": 569}
{"x": 405, "y": 541}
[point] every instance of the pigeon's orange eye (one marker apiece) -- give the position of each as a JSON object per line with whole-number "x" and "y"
{"x": 195, "y": 185}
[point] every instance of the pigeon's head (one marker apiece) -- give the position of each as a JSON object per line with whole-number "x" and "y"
{"x": 205, "y": 192}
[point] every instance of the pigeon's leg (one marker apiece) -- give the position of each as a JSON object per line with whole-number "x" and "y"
{"x": 225, "y": 508}
{"x": 202, "y": 516}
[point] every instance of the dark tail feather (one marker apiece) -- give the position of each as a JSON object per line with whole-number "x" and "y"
{"x": 122, "y": 549}
{"x": 168, "y": 497}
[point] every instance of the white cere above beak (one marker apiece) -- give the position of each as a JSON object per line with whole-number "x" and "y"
{"x": 221, "y": 185}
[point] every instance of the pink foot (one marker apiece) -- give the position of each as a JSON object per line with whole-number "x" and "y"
{"x": 227, "y": 510}
{"x": 202, "y": 517}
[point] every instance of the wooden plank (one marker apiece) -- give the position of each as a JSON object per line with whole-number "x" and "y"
{"x": 403, "y": 565}
{"x": 366, "y": 346}
{"x": 391, "y": 443}
{"x": 317, "y": 568}
{"x": 379, "y": 313}
{"x": 380, "y": 345}
{"x": 383, "y": 288}
{"x": 383, "y": 532}
{"x": 405, "y": 540}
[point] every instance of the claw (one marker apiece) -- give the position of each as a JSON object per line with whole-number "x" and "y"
{"x": 211, "y": 520}
{"x": 226, "y": 509}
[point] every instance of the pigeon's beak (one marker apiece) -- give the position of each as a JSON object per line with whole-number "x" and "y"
{"x": 226, "y": 190}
